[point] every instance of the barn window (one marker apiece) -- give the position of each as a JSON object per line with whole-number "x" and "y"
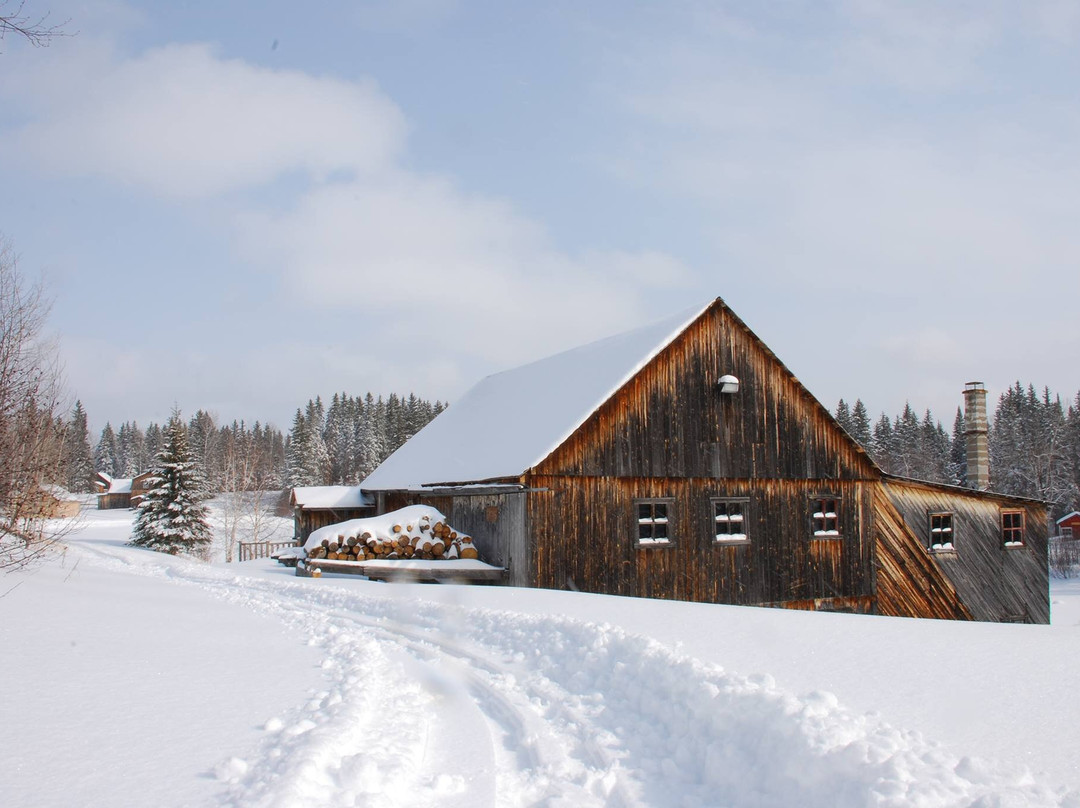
{"x": 826, "y": 518}
{"x": 1066, "y": 533}
{"x": 729, "y": 517}
{"x": 941, "y": 532}
{"x": 1012, "y": 528}
{"x": 653, "y": 521}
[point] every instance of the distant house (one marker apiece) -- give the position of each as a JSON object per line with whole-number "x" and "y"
{"x": 121, "y": 492}
{"x": 683, "y": 460}
{"x": 53, "y": 502}
{"x": 1068, "y": 526}
{"x": 316, "y": 506}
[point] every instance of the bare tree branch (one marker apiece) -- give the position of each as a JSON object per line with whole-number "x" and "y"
{"x": 32, "y": 455}
{"x": 37, "y": 30}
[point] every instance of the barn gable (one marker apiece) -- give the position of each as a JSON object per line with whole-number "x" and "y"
{"x": 671, "y": 420}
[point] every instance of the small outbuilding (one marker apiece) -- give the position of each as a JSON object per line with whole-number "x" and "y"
{"x": 316, "y": 506}
{"x": 1068, "y": 526}
{"x": 54, "y": 502}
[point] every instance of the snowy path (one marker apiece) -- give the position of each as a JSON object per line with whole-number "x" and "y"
{"x": 429, "y": 703}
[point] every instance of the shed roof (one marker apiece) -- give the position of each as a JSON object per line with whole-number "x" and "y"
{"x": 330, "y": 497}
{"x": 1068, "y": 517}
{"x": 119, "y": 485}
{"x": 510, "y": 421}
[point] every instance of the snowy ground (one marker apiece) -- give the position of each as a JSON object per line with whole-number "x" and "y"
{"x": 134, "y": 679}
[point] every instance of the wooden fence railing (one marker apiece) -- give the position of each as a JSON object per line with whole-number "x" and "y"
{"x": 250, "y": 550}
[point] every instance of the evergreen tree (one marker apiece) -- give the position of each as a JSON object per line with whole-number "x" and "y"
{"x": 1029, "y": 448}
{"x": 105, "y": 459}
{"x": 957, "y": 468}
{"x": 131, "y": 447}
{"x": 1072, "y": 449}
{"x": 843, "y": 416}
{"x": 172, "y": 517}
{"x": 295, "y": 451}
{"x": 860, "y": 425}
{"x": 203, "y": 439}
{"x": 369, "y": 451}
{"x": 906, "y": 443}
{"x": 151, "y": 446}
{"x": 80, "y": 462}
{"x": 339, "y": 440}
{"x": 883, "y": 444}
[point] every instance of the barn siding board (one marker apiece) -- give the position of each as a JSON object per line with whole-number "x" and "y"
{"x": 909, "y": 584}
{"x": 584, "y": 536}
{"x": 994, "y": 582}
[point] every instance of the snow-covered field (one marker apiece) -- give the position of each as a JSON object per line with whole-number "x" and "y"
{"x": 134, "y": 679}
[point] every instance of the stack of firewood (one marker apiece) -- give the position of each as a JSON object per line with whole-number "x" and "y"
{"x": 421, "y": 539}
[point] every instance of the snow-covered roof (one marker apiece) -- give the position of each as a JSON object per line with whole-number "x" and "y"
{"x": 119, "y": 485}
{"x": 511, "y": 421}
{"x": 1068, "y": 516}
{"x": 331, "y": 496}
{"x": 60, "y": 493}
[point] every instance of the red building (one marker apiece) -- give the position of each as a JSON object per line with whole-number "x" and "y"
{"x": 1069, "y": 525}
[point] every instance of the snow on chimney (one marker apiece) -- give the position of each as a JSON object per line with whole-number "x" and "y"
{"x": 975, "y": 429}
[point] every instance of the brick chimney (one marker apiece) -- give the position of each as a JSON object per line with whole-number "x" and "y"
{"x": 978, "y": 454}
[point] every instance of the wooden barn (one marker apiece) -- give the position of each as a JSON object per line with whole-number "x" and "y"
{"x": 316, "y": 506}
{"x": 683, "y": 460}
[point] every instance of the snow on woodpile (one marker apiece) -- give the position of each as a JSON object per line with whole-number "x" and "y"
{"x": 418, "y": 531}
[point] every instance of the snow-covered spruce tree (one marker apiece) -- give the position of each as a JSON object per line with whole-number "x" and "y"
{"x": 172, "y": 518}
{"x": 105, "y": 453}
{"x": 80, "y": 462}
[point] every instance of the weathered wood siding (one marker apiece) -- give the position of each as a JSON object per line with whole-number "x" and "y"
{"x": 671, "y": 420}
{"x": 669, "y": 432}
{"x": 993, "y": 582}
{"x": 584, "y": 536}
{"x": 495, "y": 521}
{"x": 909, "y": 583}
{"x": 106, "y": 502}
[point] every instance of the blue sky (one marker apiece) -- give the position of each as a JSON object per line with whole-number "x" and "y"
{"x": 239, "y": 206}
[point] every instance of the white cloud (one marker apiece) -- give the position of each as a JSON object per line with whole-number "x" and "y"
{"x": 421, "y": 261}
{"x": 183, "y": 122}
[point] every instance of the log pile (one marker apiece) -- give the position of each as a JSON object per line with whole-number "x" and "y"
{"x": 426, "y": 537}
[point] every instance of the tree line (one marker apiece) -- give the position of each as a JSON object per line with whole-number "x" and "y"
{"x": 339, "y": 445}
{"x": 1034, "y": 444}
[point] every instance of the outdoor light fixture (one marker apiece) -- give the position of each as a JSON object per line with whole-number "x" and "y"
{"x": 728, "y": 384}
